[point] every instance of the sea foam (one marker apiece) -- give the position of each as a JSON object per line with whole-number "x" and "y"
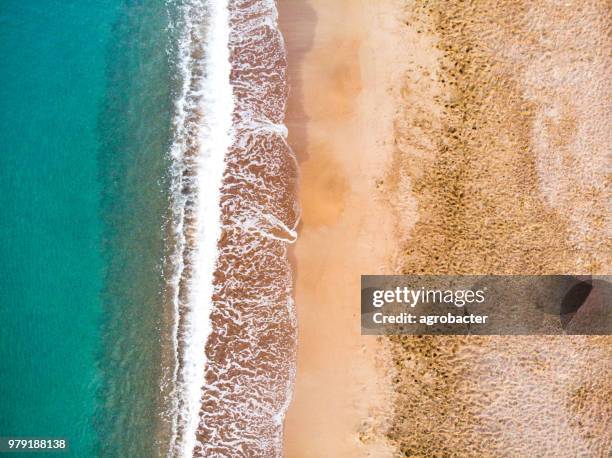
{"x": 203, "y": 135}
{"x": 235, "y": 212}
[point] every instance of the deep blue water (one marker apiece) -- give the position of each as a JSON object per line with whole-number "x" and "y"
{"x": 85, "y": 98}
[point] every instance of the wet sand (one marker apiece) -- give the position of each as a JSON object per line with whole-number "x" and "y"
{"x": 340, "y": 126}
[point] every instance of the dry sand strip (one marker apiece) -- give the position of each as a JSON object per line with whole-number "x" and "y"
{"x": 510, "y": 170}
{"x": 342, "y": 57}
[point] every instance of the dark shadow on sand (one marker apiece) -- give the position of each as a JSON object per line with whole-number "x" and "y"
{"x": 297, "y": 22}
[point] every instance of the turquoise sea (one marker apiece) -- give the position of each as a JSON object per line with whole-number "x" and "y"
{"x": 85, "y": 123}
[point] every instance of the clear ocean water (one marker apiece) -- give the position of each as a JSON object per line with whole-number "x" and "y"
{"x": 85, "y": 119}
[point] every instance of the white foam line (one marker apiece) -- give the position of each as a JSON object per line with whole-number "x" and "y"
{"x": 215, "y": 138}
{"x": 215, "y": 103}
{"x": 264, "y": 125}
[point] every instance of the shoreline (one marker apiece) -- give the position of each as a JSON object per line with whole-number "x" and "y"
{"x": 340, "y": 121}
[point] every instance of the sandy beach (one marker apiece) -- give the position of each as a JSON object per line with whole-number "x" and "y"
{"x": 442, "y": 138}
{"x": 511, "y": 176}
{"x": 340, "y": 127}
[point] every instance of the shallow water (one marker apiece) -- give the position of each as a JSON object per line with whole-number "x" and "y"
{"x": 84, "y": 126}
